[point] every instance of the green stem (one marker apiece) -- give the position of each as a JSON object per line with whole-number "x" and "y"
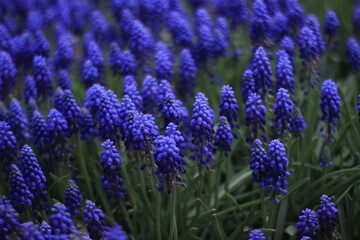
{"x": 263, "y": 206}
{"x": 272, "y": 213}
{"x": 127, "y": 218}
{"x": 173, "y": 226}
{"x": 83, "y": 167}
{"x": 158, "y": 216}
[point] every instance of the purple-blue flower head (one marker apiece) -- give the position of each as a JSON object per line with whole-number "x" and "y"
{"x": 8, "y": 149}
{"x": 168, "y": 160}
{"x": 149, "y": 92}
{"x": 328, "y": 216}
{"x": 283, "y": 108}
{"x": 255, "y": 113}
{"x": 279, "y": 27}
{"x": 284, "y": 72}
{"x": 180, "y": 29}
{"x": 39, "y": 130}
{"x": 93, "y": 53}
{"x": 170, "y": 110}
{"x": 187, "y": 73}
{"x": 260, "y": 29}
{"x": 57, "y": 128}
{"x": 313, "y": 23}
{"x": 248, "y": 85}
{"x": 20, "y": 193}
{"x": 295, "y": 17}
{"x": 258, "y": 163}
{"x": 122, "y": 62}
{"x": 7, "y": 73}
{"x": 287, "y": 44}
{"x": 228, "y": 106}
{"x": 71, "y": 111}
{"x": 223, "y": 136}
{"x": 130, "y": 89}
{"x": 94, "y": 219}
{"x": 60, "y": 221}
{"x": 163, "y": 62}
{"x": 141, "y": 41}
{"x": 30, "y": 90}
{"x": 234, "y": 10}
{"x": 41, "y": 45}
{"x": 307, "y": 224}
{"x": 64, "y": 80}
{"x": 356, "y": 19}
{"x": 205, "y": 44}
{"x": 90, "y": 73}
{"x": 173, "y": 132}
{"x": 73, "y": 197}
{"x": 297, "y": 124}
{"x": 18, "y": 121}
{"x": 9, "y": 220}
{"x": 330, "y": 105}
{"x": 42, "y": 77}
{"x": 64, "y": 54}
{"x": 4, "y": 115}
{"x": 331, "y": 29}
{"x": 202, "y": 125}
{"x": 261, "y": 69}
{"x": 115, "y": 233}
{"x": 31, "y": 231}
{"x": 256, "y": 235}
{"x": 6, "y": 42}
{"x": 87, "y": 125}
{"x": 111, "y": 178}
{"x": 353, "y": 53}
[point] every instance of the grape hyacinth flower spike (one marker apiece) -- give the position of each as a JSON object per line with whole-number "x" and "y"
{"x": 284, "y": 72}
{"x": 248, "y": 85}
{"x": 223, "y": 136}
{"x": 328, "y": 216}
{"x": 256, "y": 235}
{"x": 187, "y": 74}
{"x": 229, "y": 106}
{"x": 9, "y": 220}
{"x": 307, "y": 224}
{"x": 169, "y": 161}
{"x": 42, "y": 77}
{"x": 73, "y": 197}
{"x": 330, "y": 105}
{"x": 60, "y": 221}
{"x": 18, "y": 121}
{"x": 331, "y": 29}
{"x": 261, "y": 69}
{"x": 115, "y": 232}
{"x": 94, "y": 219}
{"x": 258, "y": 163}
{"x": 8, "y": 147}
{"x": 255, "y": 113}
{"x": 260, "y": 25}
{"x": 353, "y": 53}
{"x": 283, "y": 109}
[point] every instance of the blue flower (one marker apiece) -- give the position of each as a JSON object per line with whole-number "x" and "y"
{"x": 122, "y": 63}
{"x": 87, "y": 125}
{"x": 261, "y": 69}
{"x": 23, "y": 49}
{"x": 73, "y": 197}
{"x": 279, "y": 27}
{"x": 205, "y": 44}
{"x": 6, "y": 42}
{"x": 4, "y": 115}
{"x": 33, "y": 175}
{"x": 60, "y": 221}
{"x": 228, "y": 106}
{"x": 356, "y": 19}
{"x": 39, "y": 130}
{"x": 248, "y": 85}
{"x": 8, "y": 149}
{"x": 202, "y": 17}
{"x": 30, "y": 90}
{"x": 297, "y": 124}
{"x": 256, "y": 235}
{"x": 9, "y": 220}
{"x": 202, "y": 124}
{"x": 42, "y": 77}
{"x": 223, "y": 136}
{"x": 41, "y": 45}
{"x": 173, "y": 132}
{"x": 100, "y": 26}
{"x": 255, "y": 113}
{"x": 180, "y": 29}
{"x": 353, "y": 53}
{"x": 18, "y": 121}
{"x": 115, "y": 233}
{"x": 57, "y": 129}
{"x": 94, "y": 219}
{"x": 64, "y": 80}
{"x": 330, "y": 105}
{"x": 89, "y": 73}
{"x": 258, "y": 163}
{"x": 260, "y": 28}
{"x": 45, "y": 229}
{"x": 7, "y": 73}
{"x": 168, "y": 160}
{"x": 141, "y": 41}
{"x": 287, "y": 44}
{"x": 92, "y": 98}
{"x": 313, "y": 23}
{"x": 295, "y": 17}
{"x": 150, "y": 89}
{"x": 307, "y": 224}
{"x": 170, "y": 110}
{"x": 126, "y": 22}
{"x": 331, "y": 29}
{"x": 220, "y": 44}
{"x": 20, "y": 193}
{"x": 163, "y": 62}
{"x": 130, "y": 89}
{"x": 71, "y": 111}
{"x": 187, "y": 73}
{"x": 94, "y": 54}
{"x": 31, "y": 231}
{"x": 328, "y": 216}
{"x": 111, "y": 178}
{"x": 283, "y": 108}
{"x": 284, "y": 72}
{"x": 276, "y": 169}
{"x": 64, "y": 54}
{"x": 234, "y": 10}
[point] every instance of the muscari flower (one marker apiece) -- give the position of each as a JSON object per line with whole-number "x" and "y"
{"x": 255, "y": 113}
{"x": 115, "y": 233}
{"x": 356, "y": 19}
{"x": 4, "y": 115}
{"x": 168, "y": 160}
{"x": 89, "y": 73}
{"x": 234, "y": 10}
{"x": 276, "y": 169}
{"x": 307, "y": 224}
{"x": 126, "y": 22}
{"x": 42, "y": 77}
{"x": 8, "y": 149}
{"x": 92, "y": 98}
{"x": 20, "y": 193}
{"x": 30, "y": 90}
{"x": 45, "y": 229}
{"x": 222, "y": 26}
{"x": 180, "y": 29}
{"x": 330, "y": 105}
{"x": 122, "y": 62}
{"x": 284, "y": 72}
{"x": 64, "y": 54}
{"x": 202, "y": 124}
{"x": 295, "y": 18}
{"x": 31, "y": 231}
{"x": 331, "y": 29}
{"x": 9, "y": 220}
{"x": 170, "y": 110}
{"x": 163, "y": 62}
{"x": 94, "y": 54}
{"x": 256, "y": 235}
{"x": 258, "y": 163}
{"x": 223, "y": 136}
{"x": 228, "y": 106}
{"x": 353, "y": 53}
{"x": 111, "y": 178}
{"x": 41, "y": 45}
{"x": 23, "y": 49}
{"x": 164, "y": 89}
{"x": 126, "y": 107}
{"x": 173, "y": 132}
{"x": 87, "y": 125}
{"x": 7, "y": 73}
{"x": 260, "y": 25}
{"x": 279, "y": 27}
{"x": 149, "y": 94}
{"x": 205, "y": 44}
{"x": 60, "y": 221}
{"x": 261, "y": 69}
{"x": 313, "y": 23}
{"x": 6, "y": 42}
{"x": 99, "y": 25}
{"x": 283, "y": 108}
{"x": 94, "y": 219}
{"x": 248, "y": 85}
{"x": 130, "y": 89}
{"x": 220, "y": 44}
{"x": 18, "y": 121}
{"x": 287, "y": 44}
{"x": 33, "y": 175}
{"x": 310, "y": 55}
{"x": 71, "y": 111}
{"x": 64, "y": 80}
{"x": 328, "y": 216}
{"x": 39, "y": 130}
{"x": 57, "y": 129}
{"x": 187, "y": 73}
{"x": 141, "y": 41}
{"x": 73, "y": 197}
